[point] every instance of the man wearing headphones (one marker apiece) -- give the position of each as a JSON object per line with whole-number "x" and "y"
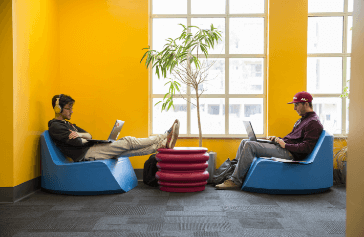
{"x": 71, "y": 139}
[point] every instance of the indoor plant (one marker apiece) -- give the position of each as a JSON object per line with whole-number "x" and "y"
{"x": 178, "y": 60}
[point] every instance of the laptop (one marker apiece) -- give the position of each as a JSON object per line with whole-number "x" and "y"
{"x": 113, "y": 135}
{"x": 251, "y": 134}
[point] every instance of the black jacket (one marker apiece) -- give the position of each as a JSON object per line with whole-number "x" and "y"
{"x": 59, "y": 130}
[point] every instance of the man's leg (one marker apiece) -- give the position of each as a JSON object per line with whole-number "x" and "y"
{"x": 131, "y": 146}
{"x": 247, "y": 151}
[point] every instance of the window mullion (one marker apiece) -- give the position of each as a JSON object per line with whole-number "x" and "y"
{"x": 227, "y": 74}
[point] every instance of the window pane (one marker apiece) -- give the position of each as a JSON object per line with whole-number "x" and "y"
{"x": 348, "y": 69}
{"x": 246, "y": 6}
{"x": 246, "y": 76}
{"x": 162, "y": 121}
{"x": 164, "y": 28}
{"x": 329, "y": 111}
{"x": 325, "y": 34}
{"x": 324, "y": 75}
{"x": 350, "y": 33}
{"x": 212, "y": 112}
{"x": 215, "y": 76}
{"x": 245, "y": 109}
{"x": 246, "y": 36}
{"x": 205, "y": 23}
{"x": 169, "y": 6}
{"x": 208, "y": 6}
{"x": 350, "y": 5}
{"x": 325, "y": 6}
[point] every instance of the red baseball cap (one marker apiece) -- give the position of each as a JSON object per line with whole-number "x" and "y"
{"x": 302, "y": 96}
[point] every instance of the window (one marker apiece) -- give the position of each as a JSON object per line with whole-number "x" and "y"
{"x": 328, "y": 61}
{"x": 237, "y": 78}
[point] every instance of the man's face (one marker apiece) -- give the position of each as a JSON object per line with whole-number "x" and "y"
{"x": 300, "y": 108}
{"x": 67, "y": 111}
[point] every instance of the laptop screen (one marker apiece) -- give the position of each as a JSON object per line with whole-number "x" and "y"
{"x": 116, "y": 130}
{"x": 249, "y": 131}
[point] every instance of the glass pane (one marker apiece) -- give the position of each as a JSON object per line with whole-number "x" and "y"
{"x": 208, "y": 6}
{"x": 162, "y": 121}
{"x": 348, "y": 70}
{"x": 325, "y": 6}
{"x": 329, "y": 111}
{"x": 246, "y": 6}
{"x": 205, "y": 23}
{"x": 325, "y": 35}
{"x": 350, "y": 5}
{"x": 164, "y": 28}
{"x": 246, "y": 76}
{"x": 169, "y": 6}
{"x": 246, "y": 36}
{"x": 245, "y": 109}
{"x": 350, "y": 33}
{"x": 212, "y": 112}
{"x": 215, "y": 76}
{"x": 324, "y": 75}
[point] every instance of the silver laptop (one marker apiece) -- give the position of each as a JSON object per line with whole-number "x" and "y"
{"x": 113, "y": 134}
{"x": 251, "y": 134}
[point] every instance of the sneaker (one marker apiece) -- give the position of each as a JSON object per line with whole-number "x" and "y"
{"x": 173, "y": 135}
{"x": 170, "y": 130}
{"x": 227, "y": 184}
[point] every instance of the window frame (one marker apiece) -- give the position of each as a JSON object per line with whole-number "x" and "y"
{"x": 225, "y": 56}
{"x": 344, "y": 55}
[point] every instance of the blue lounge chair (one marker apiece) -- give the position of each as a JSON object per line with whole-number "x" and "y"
{"x": 61, "y": 175}
{"x": 314, "y": 174}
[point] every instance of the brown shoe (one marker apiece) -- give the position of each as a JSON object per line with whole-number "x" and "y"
{"x": 227, "y": 184}
{"x": 173, "y": 135}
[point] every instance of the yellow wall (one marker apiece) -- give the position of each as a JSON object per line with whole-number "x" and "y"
{"x": 100, "y": 49}
{"x": 287, "y": 62}
{"x": 36, "y": 72}
{"x": 6, "y": 94}
{"x": 355, "y": 164}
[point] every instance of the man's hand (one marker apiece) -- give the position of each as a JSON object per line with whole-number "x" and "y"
{"x": 73, "y": 135}
{"x": 280, "y": 142}
{"x": 272, "y": 138}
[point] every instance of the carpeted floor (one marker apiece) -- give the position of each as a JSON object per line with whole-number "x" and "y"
{"x": 146, "y": 211}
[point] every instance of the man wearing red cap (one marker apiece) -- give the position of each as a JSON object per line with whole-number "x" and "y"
{"x": 295, "y": 146}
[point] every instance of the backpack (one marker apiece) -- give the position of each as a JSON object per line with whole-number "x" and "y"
{"x": 225, "y": 171}
{"x": 149, "y": 171}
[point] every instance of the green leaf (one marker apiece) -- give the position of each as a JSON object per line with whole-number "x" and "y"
{"x": 157, "y": 103}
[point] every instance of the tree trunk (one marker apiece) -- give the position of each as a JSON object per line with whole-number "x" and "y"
{"x": 198, "y": 119}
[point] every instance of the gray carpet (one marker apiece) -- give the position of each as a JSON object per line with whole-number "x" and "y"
{"x": 146, "y": 211}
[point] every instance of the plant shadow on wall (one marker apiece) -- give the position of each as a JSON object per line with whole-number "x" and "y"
{"x": 180, "y": 58}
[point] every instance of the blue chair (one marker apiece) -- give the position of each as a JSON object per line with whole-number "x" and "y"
{"x": 60, "y": 175}
{"x": 314, "y": 174}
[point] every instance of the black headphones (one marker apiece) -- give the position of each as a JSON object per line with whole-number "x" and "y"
{"x": 57, "y": 108}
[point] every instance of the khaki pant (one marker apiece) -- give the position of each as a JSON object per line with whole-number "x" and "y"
{"x": 126, "y": 146}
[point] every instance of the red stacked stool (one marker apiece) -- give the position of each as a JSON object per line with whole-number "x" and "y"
{"x": 182, "y": 169}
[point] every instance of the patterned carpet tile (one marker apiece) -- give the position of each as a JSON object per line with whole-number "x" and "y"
{"x": 73, "y": 224}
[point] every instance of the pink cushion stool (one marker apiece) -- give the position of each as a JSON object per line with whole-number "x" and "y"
{"x": 182, "y": 169}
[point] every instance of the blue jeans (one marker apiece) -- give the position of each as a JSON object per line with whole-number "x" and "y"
{"x": 248, "y": 150}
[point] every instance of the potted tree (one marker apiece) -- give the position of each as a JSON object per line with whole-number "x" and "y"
{"x": 178, "y": 58}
